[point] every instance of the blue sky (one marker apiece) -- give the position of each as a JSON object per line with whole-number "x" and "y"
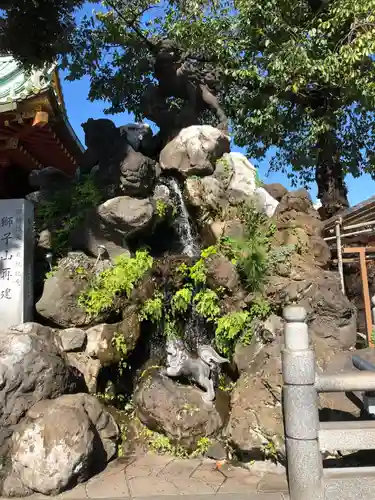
{"x": 80, "y": 110}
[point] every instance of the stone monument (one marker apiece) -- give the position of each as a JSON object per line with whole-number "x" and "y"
{"x": 16, "y": 262}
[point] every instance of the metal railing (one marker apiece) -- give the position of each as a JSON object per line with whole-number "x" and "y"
{"x": 305, "y": 435}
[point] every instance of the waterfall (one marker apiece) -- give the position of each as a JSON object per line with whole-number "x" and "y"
{"x": 196, "y": 331}
{"x": 182, "y": 224}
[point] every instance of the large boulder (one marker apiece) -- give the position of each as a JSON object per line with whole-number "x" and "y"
{"x": 296, "y": 210}
{"x": 206, "y": 194}
{"x": 47, "y": 181}
{"x": 330, "y": 314}
{"x": 299, "y": 277}
{"x": 119, "y": 167}
{"x": 239, "y": 178}
{"x": 178, "y": 411}
{"x": 264, "y": 202}
{"x": 299, "y": 224}
{"x": 276, "y": 190}
{"x": 93, "y": 233}
{"x": 194, "y": 151}
{"x": 101, "y": 338}
{"x": 256, "y": 403}
{"x": 240, "y": 174}
{"x": 59, "y": 301}
{"x": 31, "y": 369}
{"x": 214, "y": 198}
{"x": 127, "y": 216}
{"x": 47, "y": 458}
{"x": 88, "y": 367}
{"x": 112, "y": 223}
{"x": 256, "y": 414}
{"x": 71, "y": 339}
{"x": 222, "y": 273}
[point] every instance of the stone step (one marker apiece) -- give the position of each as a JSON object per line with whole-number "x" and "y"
{"x": 349, "y": 483}
{"x": 349, "y": 436}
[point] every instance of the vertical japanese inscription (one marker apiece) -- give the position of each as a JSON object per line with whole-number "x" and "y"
{"x": 6, "y": 256}
{"x": 12, "y": 263}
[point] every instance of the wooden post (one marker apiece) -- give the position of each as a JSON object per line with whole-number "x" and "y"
{"x": 365, "y": 288}
{"x": 366, "y": 295}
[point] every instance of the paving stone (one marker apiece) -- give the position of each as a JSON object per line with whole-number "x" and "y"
{"x": 209, "y": 474}
{"x": 141, "y": 471}
{"x": 150, "y": 486}
{"x": 36, "y": 496}
{"x": 263, "y": 467}
{"x": 75, "y": 493}
{"x": 108, "y": 486}
{"x": 119, "y": 464}
{"x": 246, "y": 485}
{"x": 226, "y": 496}
{"x": 181, "y": 468}
{"x": 153, "y": 460}
{"x": 148, "y": 465}
{"x": 273, "y": 483}
{"x": 192, "y": 486}
{"x": 231, "y": 471}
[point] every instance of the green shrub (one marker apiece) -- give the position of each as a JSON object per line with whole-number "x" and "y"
{"x": 120, "y": 279}
{"x": 119, "y": 343}
{"x": 165, "y": 209}
{"x": 207, "y": 304}
{"x": 172, "y": 329}
{"x": 181, "y": 300}
{"x": 65, "y": 211}
{"x": 152, "y": 309}
{"x": 251, "y": 253}
{"x": 203, "y": 445}
{"x": 230, "y": 328}
{"x": 161, "y": 208}
{"x": 237, "y": 326}
{"x": 197, "y": 273}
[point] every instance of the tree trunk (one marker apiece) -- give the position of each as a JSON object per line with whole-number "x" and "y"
{"x": 329, "y": 176}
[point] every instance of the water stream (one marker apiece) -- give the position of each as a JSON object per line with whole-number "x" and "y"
{"x": 182, "y": 224}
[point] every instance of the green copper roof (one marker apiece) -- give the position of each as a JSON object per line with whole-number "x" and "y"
{"x": 16, "y": 85}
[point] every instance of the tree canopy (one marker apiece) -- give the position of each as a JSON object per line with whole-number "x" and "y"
{"x": 297, "y": 77}
{"x": 36, "y": 32}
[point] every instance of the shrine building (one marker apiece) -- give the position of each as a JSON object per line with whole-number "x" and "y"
{"x": 34, "y": 129}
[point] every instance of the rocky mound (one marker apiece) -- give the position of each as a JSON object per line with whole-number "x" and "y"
{"x": 167, "y": 277}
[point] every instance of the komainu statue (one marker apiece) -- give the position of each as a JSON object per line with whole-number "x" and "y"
{"x": 201, "y": 369}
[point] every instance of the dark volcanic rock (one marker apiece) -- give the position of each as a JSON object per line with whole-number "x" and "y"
{"x": 276, "y": 190}
{"x": 178, "y": 411}
{"x": 59, "y": 301}
{"x": 31, "y": 370}
{"x": 48, "y": 458}
{"x": 137, "y": 174}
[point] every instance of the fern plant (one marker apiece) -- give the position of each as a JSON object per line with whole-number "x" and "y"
{"x": 120, "y": 279}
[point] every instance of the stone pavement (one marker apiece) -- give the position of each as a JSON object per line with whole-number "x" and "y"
{"x": 162, "y": 476}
